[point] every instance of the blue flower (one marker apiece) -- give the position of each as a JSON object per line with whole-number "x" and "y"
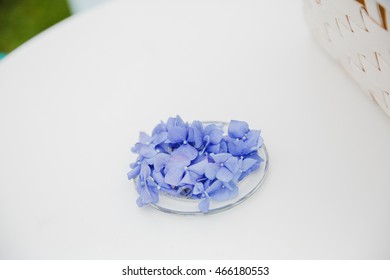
{"x": 199, "y": 190}
{"x": 222, "y": 190}
{"x": 213, "y": 135}
{"x": 238, "y": 129}
{"x": 178, "y": 131}
{"x": 146, "y": 187}
{"x": 245, "y": 167}
{"x": 180, "y": 172}
{"x": 213, "y": 190}
{"x": 223, "y": 168}
{"x": 146, "y": 148}
{"x": 136, "y": 169}
{"x": 146, "y": 145}
{"x": 242, "y": 141}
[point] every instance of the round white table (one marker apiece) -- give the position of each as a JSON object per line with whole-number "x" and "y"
{"x": 73, "y": 99}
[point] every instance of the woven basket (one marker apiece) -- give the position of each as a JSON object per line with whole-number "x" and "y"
{"x": 357, "y": 34}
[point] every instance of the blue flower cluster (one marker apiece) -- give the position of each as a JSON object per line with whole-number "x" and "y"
{"x": 194, "y": 160}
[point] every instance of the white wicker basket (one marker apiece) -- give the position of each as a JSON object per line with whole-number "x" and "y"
{"x": 357, "y": 34}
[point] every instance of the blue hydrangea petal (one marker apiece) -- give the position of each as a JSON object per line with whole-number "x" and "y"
{"x": 198, "y": 188}
{"x": 248, "y": 163}
{"x": 148, "y": 151}
{"x": 204, "y": 205}
{"x": 139, "y": 185}
{"x": 223, "y": 148}
{"x": 148, "y": 194}
{"x": 187, "y": 151}
{"x": 213, "y": 148}
{"x": 164, "y": 148}
{"x": 160, "y": 161}
{"x": 145, "y": 171}
{"x": 144, "y": 138}
{"x": 174, "y": 176}
{"x": 190, "y": 135}
{"x": 134, "y": 173}
{"x": 199, "y": 168}
{"x": 198, "y": 134}
{"x": 232, "y": 164}
{"x": 159, "y": 138}
{"x": 161, "y": 127}
{"x": 237, "y": 129}
{"x": 179, "y": 121}
{"x": 137, "y": 147}
{"x": 177, "y": 134}
{"x": 210, "y": 127}
{"x": 206, "y": 141}
{"x": 224, "y": 174}
{"x": 214, "y": 186}
{"x": 211, "y": 171}
{"x": 236, "y": 147}
{"x": 220, "y": 158}
{"x": 178, "y": 162}
{"x": 159, "y": 179}
{"x": 253, "y": 139}
{"x": 188, "y": 179}
{"x": 171, "y": 122}
{"x": 216, "y": 136}
{"x": 224, "y": 193}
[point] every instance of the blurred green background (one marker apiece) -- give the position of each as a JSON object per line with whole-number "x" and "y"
{"x": 22, "y": 19}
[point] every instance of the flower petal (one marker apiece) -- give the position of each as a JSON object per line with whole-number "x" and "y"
{"x": 161, "y": 127}
{"x": 186, "y": 150}
{"x": 177, "y": 134}
{"x": 198, "y": 133}
{"x": 159, "y": 179}
{"x": 159, "y": 138}
{"x": 213, "y": 149}
{"x": 211, "y": 170}
{"x": 148, "y": 151}
{"x": 178, "y": 162}
{"x": 145, "y": 171}
{"x": 216, "y": 136}
{"x": 204, "y": 205}
{"x": 198, "y": 188}
{"x": 160, "y": 161}
{"x": 232, "y": 164}
{"x": 148, "y": 194}
{"x": 187, "y": 179}
{"x": 224, "y": 193}
{"x": 223, "y": 148}
{"x": 199, "y": 168}
{"x": 144, "y": 138}
{"x": 214, "y": 186}
{"x": 134, "y": 173}
{"x": 224, "y": 175}
{"x": 174, "y": 176}
{"x": 248, "y": 163}
{"x": 221, "y": 158}
{"x": 237, "y": 129}
{"x": 236, "y": 147}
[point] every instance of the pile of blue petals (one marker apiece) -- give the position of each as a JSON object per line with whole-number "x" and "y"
{"x": 194, "y": 161}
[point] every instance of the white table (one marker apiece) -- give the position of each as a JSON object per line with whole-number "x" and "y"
{"x": 73, "y": 99}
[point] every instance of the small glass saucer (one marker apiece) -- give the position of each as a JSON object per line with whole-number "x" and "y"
{"x": 246, "y": 188}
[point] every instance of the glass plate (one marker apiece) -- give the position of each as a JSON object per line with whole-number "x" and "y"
{"x": 246, "y": 188}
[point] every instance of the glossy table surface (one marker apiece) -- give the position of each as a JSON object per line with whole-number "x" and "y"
{"x": 73, "y": 99}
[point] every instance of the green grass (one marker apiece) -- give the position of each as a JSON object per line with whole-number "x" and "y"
{"x": 22, "y": 19}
